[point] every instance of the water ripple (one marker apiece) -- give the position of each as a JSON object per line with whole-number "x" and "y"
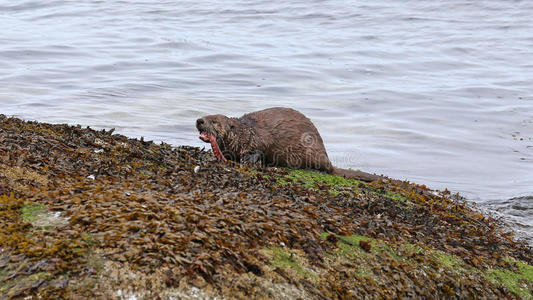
{"x": 434, "y": 91}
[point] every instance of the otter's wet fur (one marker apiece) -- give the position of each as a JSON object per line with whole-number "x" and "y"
{"x": 279, "y": 136}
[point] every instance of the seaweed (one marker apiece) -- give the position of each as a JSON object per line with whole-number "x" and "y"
{"x": 139, "y": 219}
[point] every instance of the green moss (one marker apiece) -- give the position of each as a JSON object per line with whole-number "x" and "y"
{"x": 398, "y": 197}
{"x": 450, "y": 262}
{"x": 40, "y": 217}
{"x": 89, "y": 239}
{"x": 408, "y": 249}
{"x": 350, "y": 246}
{"x": 311, "y": 179}
{"x": 281, "y": 181}
{"x": 285, "y": 259}
{"x": 349, "y": 249}
{"x": 39, "y": 276}
{"x": 31, "y": 211}
{"x": 520, "y": 283}
{"x": 337, "y": 184}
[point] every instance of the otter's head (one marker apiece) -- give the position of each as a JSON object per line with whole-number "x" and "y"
{"x": 213, "y": 129}
{"x": 217, "y": 125}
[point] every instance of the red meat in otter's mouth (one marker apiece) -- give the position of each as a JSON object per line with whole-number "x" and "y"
{"x": 210, "y": 138}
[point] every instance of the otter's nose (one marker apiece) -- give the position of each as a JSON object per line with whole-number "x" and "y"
{"x": 199, "y": 122}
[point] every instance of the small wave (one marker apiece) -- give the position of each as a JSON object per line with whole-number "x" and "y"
{"x": 517, "y": 212}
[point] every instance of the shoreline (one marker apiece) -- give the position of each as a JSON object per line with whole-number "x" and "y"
{"x": 89, "y": 213}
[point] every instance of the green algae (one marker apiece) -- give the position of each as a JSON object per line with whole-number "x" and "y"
{"x": 449, "y": 262}
{"x": 336, "y": 184}
{"x": 282, "y": 258}
{"x": 40, "y": 216}
{"x": 310, "y": 178}
{"x": 398, "y": 197}
{"x": 89, "y": 239}
{"x": 352, "y": 246}
{"x": 408, "y": 249}
{"x": 33, "y": 211}
{"x": 349, "y": 249}
{"x": 313, "y": 180}
{"x": 40, "y": 275}
{"x": 349, "y": 246}
{"x": 519, "y": 282}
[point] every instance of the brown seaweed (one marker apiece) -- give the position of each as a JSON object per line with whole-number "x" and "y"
{"x": 134, "y": 207}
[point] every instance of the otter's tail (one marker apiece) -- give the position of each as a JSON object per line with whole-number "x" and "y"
{"x": 359, "y": 175}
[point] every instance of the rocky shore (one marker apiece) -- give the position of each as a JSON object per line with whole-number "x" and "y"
{"x": 92, "y": 214}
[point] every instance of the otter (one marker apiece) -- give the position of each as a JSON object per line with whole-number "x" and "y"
{"x": 278, "y": 137}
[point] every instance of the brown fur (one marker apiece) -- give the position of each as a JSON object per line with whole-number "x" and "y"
{"x": 278, "y": 136}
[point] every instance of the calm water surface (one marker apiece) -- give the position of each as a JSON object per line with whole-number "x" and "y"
{"x": 437, "y": 92}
